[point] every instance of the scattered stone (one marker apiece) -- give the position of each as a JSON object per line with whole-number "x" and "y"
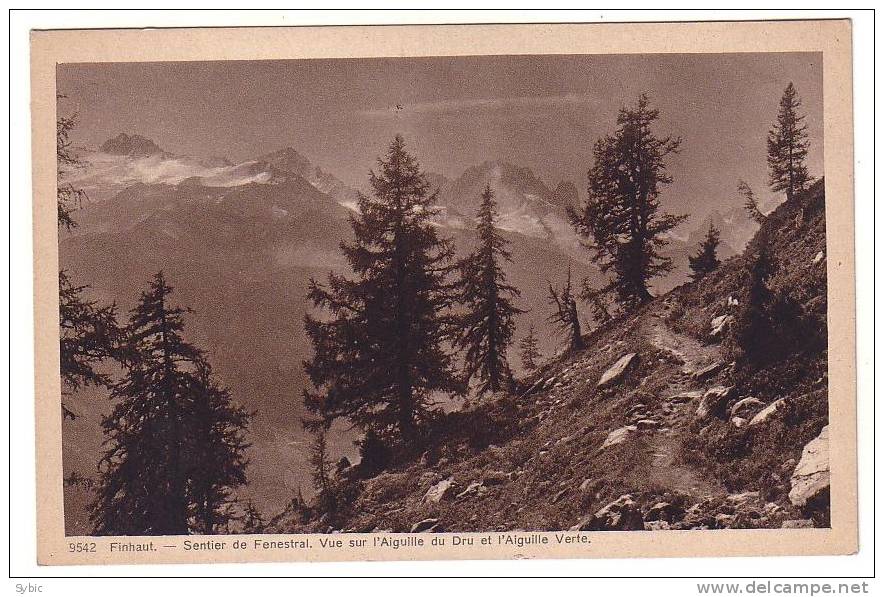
{"x": 720, "y": 325}
{"x": 765, "y": 413}
{"x": 618, "y": 436}
{"x": 636, "y": 408}
{"x": 664, "y": 511}
{"x": 709, "y": 370}
{"x": 801, "y": 523}
{"x": 745, "y": 403}
{"x": 440, "y": 490}
{"x": 657, "y": 525}
{"x": 714, "y": 402}
{"x": 738, "y": 422}
{"x": 818, "y": 257}
{"x": 811, "y": 477}
{"x": 732, "y": 302}
{"x": 742, "y": 498}
{"x": 585, "y": 485}
{"x": 427, "y": 525}
{"x": 617, "y": 370}
{"x": 496, "y": 478}
{"x": 472, "y": 488}
{"x": 686, "y": 396}
{"x": 620, "y": 515}
{"x": 646, "y": 424}
{"x": 559, "y": 495}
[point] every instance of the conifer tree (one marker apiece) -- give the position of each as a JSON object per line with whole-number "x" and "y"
{"x": 706, "y": 259}
{"x": 379, "y": 351}
{"x": 621, "y": 216}
{"x": 89, "y": 332}
{"x": 217, "y": 462}
{"x": 529, "y": 350}
{"x": 751, "y": 203}
{"x": 175, "y": 444}
{"x": 488, "y": 323}
{"x": 565, "y": 315}
{"x": 787, "y": 146}
{"x": 321, "y": 472}
{"x": 597, "y": 303}
{"x": 752, "y": 324}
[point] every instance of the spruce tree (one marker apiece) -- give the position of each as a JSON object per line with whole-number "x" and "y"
{"x": 217, "y": 462}
{"x": 175, "y": 441}
{"x": 621, "y": 216}
{"x": 488, "y": 323}
{"x": 565, "y": 315}
{"x": 529, "y": 351}
{"x": 706, "y": 259}
{"x": 787, "y": 146}
{"x": 379, "y": 348}
{"x": 752, "y": 325}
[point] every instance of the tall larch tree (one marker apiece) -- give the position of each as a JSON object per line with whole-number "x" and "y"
{"x": 787, "y": 146}
{"x": 379, "y": 343}
{"x": 529, "y": 350}
{"x": 706, "y": 259}
{"x": 489, "y": 320}
{"x": 174, "y": 439}
{"x": 621, "y": 218}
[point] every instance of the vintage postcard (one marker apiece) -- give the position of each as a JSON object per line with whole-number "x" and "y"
{"x": 444, "y": 292}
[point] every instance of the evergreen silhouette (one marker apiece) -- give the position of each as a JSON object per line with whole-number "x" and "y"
{"x": 597, "y": 303}
{"x": 321, "y": 473}
{"x": 488, "y": 323}
{"x": 621, "y": 217}
{"x": 751, "y": 203}
{"x": 174, "y": 439}
{"x": 69, "y": 197}
{"x": 565, "y": 316}
{"x": 528, "y": 350}
{"x": 706, "y": 259}
{"x": 787, "y": 146}
{"x": 379, "y": 352}
{"x": 89, "y": 333}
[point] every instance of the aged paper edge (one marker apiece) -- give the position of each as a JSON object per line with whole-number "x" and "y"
{"x": 832, "y": 38}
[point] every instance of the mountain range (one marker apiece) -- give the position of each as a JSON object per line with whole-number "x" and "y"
{"x": 239, "y": 242}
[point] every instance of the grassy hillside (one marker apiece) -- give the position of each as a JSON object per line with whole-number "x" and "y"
{"x": 692, "y": 434}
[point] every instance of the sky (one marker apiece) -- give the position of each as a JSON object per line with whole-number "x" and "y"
{"x": 544, "y": 112}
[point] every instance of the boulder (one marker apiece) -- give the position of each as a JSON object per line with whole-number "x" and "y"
{"x": 720, "y": 325}
{"x": 818, "y": 257}
{"x": 765, "y": 413}
{"x": 714, "y": 402}
{"x": 620, "y": 515}
{"x": 472, "y": 488}
{"x": 749, "y": 403}
{"x": 811, "y": 477}
{"x": 657, "y": 525}
{"x": 738, "y": 422}
{"x": 647, "y": 424}
{"x": 618, "y": 436}
{"x": 664, "y": 511}
{"x": 617, "y": 370}
{"x": 686, "y": 396}
{"x": 732, "y": 302}
{"x": 709, "y": 370}
{"x": 440, "y": 491}
{"x": 424, "y": 526}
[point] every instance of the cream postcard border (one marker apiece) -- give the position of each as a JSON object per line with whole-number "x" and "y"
{"x": 831, "y": 37}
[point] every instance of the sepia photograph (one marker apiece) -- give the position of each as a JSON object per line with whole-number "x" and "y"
{"x": 537, "y": 295}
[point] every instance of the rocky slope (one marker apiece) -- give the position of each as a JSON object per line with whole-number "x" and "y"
{"x": 653, "y": 426}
